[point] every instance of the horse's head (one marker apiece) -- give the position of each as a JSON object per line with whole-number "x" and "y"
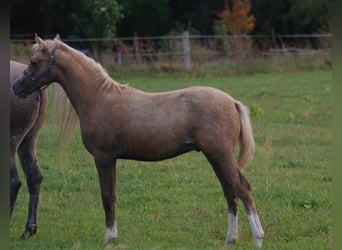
{"x": 40, "y": 71}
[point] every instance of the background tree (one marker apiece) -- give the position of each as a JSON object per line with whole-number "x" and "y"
{"x": 98, "y": 18}
{"x": 270, "y": 16}
{"x": 85, "y": 18}
{"x": 237, "y": 19}
{"x": 197, "y": 15}
{"x": 145, "y": 17}
{"x": 310, "y": 16}
{"x": 292, "y": 16}
{"x": 89, "y": 18}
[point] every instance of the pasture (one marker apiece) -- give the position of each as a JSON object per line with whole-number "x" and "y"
{"x": 178, "y": 203}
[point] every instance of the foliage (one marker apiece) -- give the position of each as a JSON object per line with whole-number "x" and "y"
{"x": 237, "y": 19}
{"x": 292, "y": 16}
{"x": 256, "y": 110}
{"x": 99, "y": 18}
{"x": 197, "y": 15}
{"x": 158, "y": 17}
{"x": 311, "y": 15}
{"x": 87, "y": 18}
{"x": 145, "y": 17}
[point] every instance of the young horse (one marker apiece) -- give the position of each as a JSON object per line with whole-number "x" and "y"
{"x": 120, "y": 122}
{"x": 27, "y": 116}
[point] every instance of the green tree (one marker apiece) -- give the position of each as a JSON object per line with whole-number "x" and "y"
{"x": 292, "y": 16}
{"x": 198, "y": 15}
{"x": 106, "y": 18}
{"x": 98, "y": 18}
{"x": 145, "y": 17}
{"x": 86, "y": 18}
{"x": 311, "y": 16}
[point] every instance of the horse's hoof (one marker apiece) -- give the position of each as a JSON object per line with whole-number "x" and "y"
{"x": 111, "y": 233}
{"x": 258, "y": 242}
{"x": 30, "y": 230}
{"x": 230, "y": 242}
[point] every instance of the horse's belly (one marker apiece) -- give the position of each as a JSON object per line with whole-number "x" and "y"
{"x": 150, "y": 152}
{"x": 152, "y": 157}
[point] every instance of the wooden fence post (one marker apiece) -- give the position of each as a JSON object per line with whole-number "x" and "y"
{"x": 186, "y": 51}
{"x": 137, "y": 48}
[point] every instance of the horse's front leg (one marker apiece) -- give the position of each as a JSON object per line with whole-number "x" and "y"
{"x": 28, "y": 159}
{"x": 15, "y": 183}
{"x": 106, "y": 168}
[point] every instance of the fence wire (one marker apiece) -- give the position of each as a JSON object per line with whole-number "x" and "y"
{"x": 187, "y": 50}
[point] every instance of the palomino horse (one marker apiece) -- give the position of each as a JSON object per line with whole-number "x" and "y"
{"x": 120, "y": 122}
{"x": 27, "y": 116}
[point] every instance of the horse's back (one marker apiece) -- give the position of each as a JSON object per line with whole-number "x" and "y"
{"x": 200, "y": 104}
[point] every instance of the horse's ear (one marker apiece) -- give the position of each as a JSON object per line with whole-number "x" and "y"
{"x": 57, "y": 37}
{"x": 39, "y": 40}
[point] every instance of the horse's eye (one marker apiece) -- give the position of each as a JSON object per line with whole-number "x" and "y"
{"x": 33, "y": 63}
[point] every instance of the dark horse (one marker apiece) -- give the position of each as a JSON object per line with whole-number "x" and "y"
{"x": 27, "y": 116}
{"x": 120, "y": 122}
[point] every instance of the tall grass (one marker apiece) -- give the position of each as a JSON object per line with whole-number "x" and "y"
{"x": 228, "y": 68}
{"x": 178, "y": 203}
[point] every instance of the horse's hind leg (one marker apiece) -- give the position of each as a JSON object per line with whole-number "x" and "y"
{"x": 253, "y": 218}
{"x": 28, "y": 159}
{"x": 232, "y": 200}
{"x": 235, "y": 185}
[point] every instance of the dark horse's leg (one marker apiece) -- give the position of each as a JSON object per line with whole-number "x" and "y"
{"x": 234, "y": 186}
{"x": 28, "y": 159}
{"x": 106, "y": 168}
{"x": 15, "y": 182}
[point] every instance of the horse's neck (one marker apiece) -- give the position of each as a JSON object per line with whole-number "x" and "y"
{"x": 78, "y": 83}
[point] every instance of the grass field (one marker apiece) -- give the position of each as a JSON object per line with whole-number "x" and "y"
{"x": 178, "y": 203}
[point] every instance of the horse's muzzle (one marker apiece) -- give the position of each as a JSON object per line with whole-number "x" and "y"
{"x": 19, "y": 90}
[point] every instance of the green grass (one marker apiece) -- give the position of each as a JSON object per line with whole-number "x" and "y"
{"x": 178, "y": 203}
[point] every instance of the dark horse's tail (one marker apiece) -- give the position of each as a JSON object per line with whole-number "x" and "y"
{"x": 247, "y": 144}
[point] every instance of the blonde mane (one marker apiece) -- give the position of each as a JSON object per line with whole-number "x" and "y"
{"x": 98, "y": 72}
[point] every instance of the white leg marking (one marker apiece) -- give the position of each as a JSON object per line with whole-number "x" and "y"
{"x": 232, "y": 232}
{"x": 257, "y": 231}
{"x": 111, "y": 233}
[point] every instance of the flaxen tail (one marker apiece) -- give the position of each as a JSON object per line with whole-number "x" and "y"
{"x": 64, "y": 118}
{"x": 247, "y": 143}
